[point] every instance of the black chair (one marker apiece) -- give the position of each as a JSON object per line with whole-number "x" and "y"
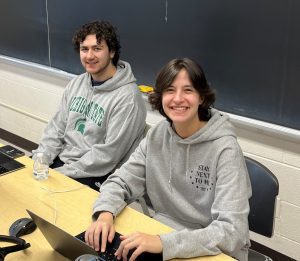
{"x": 265, "y": 189}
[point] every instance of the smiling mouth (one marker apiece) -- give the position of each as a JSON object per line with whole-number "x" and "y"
{"x": 179, "y": 108}
{"x": 91, "y": 61}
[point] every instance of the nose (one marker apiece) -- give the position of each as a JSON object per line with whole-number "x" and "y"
{"x": 178, "y": 97}
{"x": 90, "y": 54}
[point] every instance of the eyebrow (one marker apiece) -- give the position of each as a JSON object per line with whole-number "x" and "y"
{"x": 187, "y": 85}
{"x": 93, "y": 46}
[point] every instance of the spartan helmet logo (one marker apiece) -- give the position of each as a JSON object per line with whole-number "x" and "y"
{"x": 80, "y": 125}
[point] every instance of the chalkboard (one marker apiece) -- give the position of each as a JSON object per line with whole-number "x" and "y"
{"x": 249, "y": 49}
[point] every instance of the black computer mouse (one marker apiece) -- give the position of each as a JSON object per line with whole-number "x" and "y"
{"x": 21, "y": 227}
{"x": 89, "y": 257}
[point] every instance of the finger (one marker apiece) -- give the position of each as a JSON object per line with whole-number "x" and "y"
{"x": 129, "y": 244}
{"x": 119, "y": 251}
{"x": 122, "y": 237}
{"x": 111, "y": 234}
{"x": 96, "y": 237}
{"x": 104, "y": 236}
{"x": 89, "y": 234}
{"x": 86, "y": 235}
{"x": 135, "y": 254}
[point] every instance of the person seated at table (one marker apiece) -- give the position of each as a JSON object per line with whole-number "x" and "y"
{"x": 193, "y": 170}
{"x": 101, "y": 117}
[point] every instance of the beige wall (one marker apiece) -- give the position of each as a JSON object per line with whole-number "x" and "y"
{"x": 30, "y": 95}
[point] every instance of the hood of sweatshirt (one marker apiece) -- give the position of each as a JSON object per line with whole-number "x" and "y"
{"x": 217, "y": 127}
{"x": 123, "y": 76}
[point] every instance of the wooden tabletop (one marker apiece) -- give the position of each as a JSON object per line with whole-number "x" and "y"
{"x": 66, "y": 203}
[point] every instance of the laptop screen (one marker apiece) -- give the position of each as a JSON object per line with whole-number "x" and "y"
{"x": 8, "y": 164}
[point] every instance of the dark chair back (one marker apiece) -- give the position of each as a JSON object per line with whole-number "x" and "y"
{"x": 265, "y": 188}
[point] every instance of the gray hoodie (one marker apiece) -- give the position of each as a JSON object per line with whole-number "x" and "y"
{"x": 96, "y": 127}
{"x": 198, "y": 185}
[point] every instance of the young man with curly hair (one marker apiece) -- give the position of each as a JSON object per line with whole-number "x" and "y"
{"x": 101, "y": 117}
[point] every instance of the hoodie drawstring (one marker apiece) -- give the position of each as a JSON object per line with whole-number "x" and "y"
{"x": 187, "y": 160}
{"x": 170, "y": 164}
{"x": 88, "y": 98}
{"x": 171, "y": 160}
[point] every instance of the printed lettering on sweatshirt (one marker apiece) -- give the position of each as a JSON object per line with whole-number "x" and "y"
{"x": 200, "y": 178}
{"x": 91, "y": 110}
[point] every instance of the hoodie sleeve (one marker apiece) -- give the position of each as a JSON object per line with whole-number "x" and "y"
{"x": 125, "y": 185}
{"x": 228, "y": 231}
{"x": 53, "y": 136}
{"x": 125, "y": 130}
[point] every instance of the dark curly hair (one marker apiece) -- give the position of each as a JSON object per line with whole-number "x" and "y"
{"x": 167, "y": 75}
{"x": 103, "y": 31}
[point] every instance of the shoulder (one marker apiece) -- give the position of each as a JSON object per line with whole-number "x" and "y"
{"x": 78, "y": 80}
{"x": 81, "y": 77}
{"x": 158, "y": 131}
{"x": 129, "y": 89}
{"x": 130, "y": 94}
{"x": 228, "y": 142}
{"x": 155, "y": 137}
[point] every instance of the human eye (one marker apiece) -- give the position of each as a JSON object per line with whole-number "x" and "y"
{"x": 189, "y": 89}
{"x": 97, "y": 48}
{"x": 83, "y": 49}
{"x": 169, "y": 89}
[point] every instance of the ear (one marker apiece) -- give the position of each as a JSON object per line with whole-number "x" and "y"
{"x": 200, "y": 100}
{"x": 112, "y": 54}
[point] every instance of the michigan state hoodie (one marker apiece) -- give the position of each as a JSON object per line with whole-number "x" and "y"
{"x": 96, "y": 128}
{"x": 198, "y": 185}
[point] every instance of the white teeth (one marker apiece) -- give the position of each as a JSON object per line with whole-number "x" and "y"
{"x": 179, "y": 108}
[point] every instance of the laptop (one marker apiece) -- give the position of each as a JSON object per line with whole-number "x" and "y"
{"x": 72, "y": 247}
{"x": 11, "y": 151}
{"x": 8, "y": 164}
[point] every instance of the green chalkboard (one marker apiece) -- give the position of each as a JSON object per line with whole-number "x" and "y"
{"x": 249, "y": 49}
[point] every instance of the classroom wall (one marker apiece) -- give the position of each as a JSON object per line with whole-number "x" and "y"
{"x": 30, "y": 97}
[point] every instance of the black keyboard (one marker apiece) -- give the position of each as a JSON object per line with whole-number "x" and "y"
{"x": 111, "y": 248}
{"x": 108, "y": 256}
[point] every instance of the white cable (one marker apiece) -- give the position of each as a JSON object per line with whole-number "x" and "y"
{"x": 53, "y": 192}
{"x": 63, "y": 191}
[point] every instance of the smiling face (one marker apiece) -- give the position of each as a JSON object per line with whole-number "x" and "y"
{"x": 180, "y": 103}
{"x": 96, "y": 58}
